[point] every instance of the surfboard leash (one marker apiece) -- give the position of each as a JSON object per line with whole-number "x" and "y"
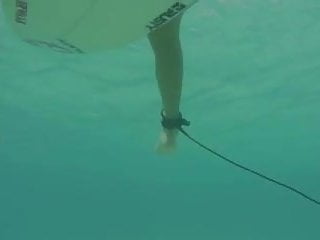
{"x": 180, "y": 122}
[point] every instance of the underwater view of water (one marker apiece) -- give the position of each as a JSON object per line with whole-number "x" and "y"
{"x": 77, "y": 133}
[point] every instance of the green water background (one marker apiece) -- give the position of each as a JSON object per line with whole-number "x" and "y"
{"x": 77, "y": 133}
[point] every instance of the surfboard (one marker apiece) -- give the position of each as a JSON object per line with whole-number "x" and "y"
{"x": 83, "y": 26}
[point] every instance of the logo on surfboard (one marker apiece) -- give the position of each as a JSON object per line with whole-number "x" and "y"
{"x": 59, "y": 45}
{"x": 21, "y": 11}
{"x": 165, "y": 17}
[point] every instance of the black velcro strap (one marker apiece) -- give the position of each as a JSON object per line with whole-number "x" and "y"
{"x": 173, "y": 123}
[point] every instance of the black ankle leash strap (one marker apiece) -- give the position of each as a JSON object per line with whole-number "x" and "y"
{"x": 173, "y": 123}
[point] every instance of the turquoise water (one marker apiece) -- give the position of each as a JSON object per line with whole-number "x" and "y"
{"x": 77, "y": 133}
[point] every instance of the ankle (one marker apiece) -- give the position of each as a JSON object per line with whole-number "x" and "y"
{"x": 172, "y": 114}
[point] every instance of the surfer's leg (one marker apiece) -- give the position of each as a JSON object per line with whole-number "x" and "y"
{"x": 166, "y": 45}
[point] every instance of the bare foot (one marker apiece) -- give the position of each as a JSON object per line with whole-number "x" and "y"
{"x": 167, "y": 141}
